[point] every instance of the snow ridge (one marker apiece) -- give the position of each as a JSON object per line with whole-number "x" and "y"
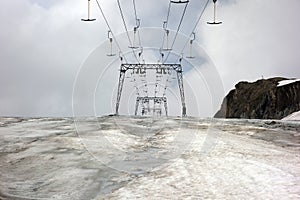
{"x": 286, "y": 82}
{"x": 293, "y": 117}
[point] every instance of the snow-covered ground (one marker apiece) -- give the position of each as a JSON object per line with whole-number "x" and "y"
{"x": 286, "y": 82}
{"x": 149, "y": 158}
{"x": 294, "y": 116}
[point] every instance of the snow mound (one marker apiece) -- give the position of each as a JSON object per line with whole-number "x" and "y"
{"x": 286, "y": 82}
{"x": 293, "y": 117}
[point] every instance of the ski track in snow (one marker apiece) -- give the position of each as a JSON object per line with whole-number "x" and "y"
{"x": 149, "y": 158}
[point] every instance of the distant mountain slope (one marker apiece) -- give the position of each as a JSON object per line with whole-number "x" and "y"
{"x": 273, "y": 98}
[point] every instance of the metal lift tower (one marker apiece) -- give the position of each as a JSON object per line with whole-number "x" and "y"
{"x": 156, "y": 100}
{"x": 141, "y": 68}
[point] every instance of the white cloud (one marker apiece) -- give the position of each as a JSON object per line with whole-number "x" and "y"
{"x": 43, "y": 44}
{"x": 257, "y": 38}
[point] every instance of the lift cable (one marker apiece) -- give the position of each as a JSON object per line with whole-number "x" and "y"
{"x": 109, "y": 27}
{"x": 166, "y": 23}
{"x": 126, "y": 29}
{"x": 196, "y": 25}
{"x": 168, "y": 80}
{"x": 140, "y": 44}
{"x": 135, "y": 85}
{"x": 137, "y": 22}
{"x": 178, "y": 28}
{"x": 121, "y": 54}
{"x": 166, "y": 86}
{"x": 189, "y": 40}
{"x": 177, "y": 31}
{"x": 159, "y": 75}
{"x": 169, "y": 11}
{"x": 134, "y": 7}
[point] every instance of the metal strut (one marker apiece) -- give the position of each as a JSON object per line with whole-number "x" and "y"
{"x": 141, "y": 68}
{"x": 180, "y": 84}
{"x": 120, "y": 88}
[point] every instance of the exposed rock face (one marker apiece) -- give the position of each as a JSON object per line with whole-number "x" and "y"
{"x": 262, "y": 99}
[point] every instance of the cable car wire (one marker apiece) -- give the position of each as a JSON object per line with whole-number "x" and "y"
{"x": 134, "y": 7}
{"x": 109, "y": 27}
{"x": 175, "y": 37}
{"x": 166, "y": 23}
{"x": 169, "y": 11}
{"x": 139, "y": 37}
{"x": 137, "y": 21}
{"x": 126, "y": 29}
{"x": 197, "y": 22}
{"x": 177, "y": 31}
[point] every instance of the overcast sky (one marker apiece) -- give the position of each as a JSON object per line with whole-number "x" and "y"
{"x": 44, "y": 44}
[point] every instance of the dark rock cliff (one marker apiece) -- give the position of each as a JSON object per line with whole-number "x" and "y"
{"x": 262, "y": 99}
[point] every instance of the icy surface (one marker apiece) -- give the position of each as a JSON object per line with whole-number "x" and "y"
{"x": 146, "y": 158}
{"x": 286, "y": 82}
{"x": 293, "y": 117}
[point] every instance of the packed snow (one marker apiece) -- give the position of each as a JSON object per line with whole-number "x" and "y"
{"x": 293, "y": 117}
{"x": 149, "y": 158}
{"x": 286, "y": 82}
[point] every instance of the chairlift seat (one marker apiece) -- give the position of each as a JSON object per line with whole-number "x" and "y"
{"x": 88, "y": 20}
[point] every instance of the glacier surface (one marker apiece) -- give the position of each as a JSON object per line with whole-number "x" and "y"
{"x": 148, "y": 158}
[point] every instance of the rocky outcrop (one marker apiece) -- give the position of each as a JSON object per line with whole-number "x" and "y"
{"x": 263, "y": 99}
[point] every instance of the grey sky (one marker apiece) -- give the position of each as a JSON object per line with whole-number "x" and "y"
{"x": 44, "y": 43}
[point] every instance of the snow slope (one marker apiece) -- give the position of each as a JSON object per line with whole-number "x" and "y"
{"x": 148, "y": 158}
{"x": 294, "y": 116}
{"x": 286, "y": 82}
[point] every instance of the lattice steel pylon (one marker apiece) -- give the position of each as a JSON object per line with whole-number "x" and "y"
{"x": 142, "y": 67}
{"x": 155, "y": 100}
